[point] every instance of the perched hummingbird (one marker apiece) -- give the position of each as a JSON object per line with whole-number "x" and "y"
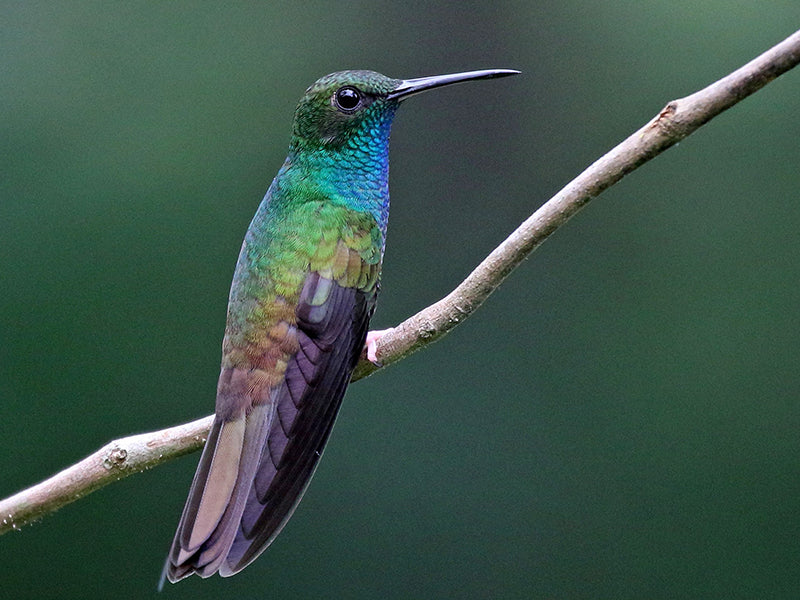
{"x": 302, "y": 296}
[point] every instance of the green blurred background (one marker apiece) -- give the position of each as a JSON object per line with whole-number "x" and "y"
{"x": 620, "y": 420}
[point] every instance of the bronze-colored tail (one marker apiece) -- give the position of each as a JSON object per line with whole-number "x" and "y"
{"x": 218, "y": 494}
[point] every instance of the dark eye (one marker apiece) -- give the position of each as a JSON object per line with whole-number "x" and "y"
{"x": 347, "y": 99}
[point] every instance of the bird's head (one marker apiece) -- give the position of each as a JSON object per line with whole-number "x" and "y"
{"x": 347, "y": 106}
{"x": 354, "y": 108}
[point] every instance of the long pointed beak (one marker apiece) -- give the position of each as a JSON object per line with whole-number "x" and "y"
{"x": 410, "y": 87}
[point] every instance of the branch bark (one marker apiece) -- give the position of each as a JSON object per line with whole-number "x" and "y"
{"x": 674, "y": 122}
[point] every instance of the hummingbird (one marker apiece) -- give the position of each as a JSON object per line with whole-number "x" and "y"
{"x": 303, "y": 292}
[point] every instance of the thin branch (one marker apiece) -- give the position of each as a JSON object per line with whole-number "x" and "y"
{"x": 112, "y": 462}
{"x": 676, "y": 120}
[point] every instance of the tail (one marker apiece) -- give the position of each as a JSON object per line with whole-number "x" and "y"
{"x": 217, "y": 497}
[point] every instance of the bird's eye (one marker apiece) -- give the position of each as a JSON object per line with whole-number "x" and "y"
{"x": 347, "y": 99}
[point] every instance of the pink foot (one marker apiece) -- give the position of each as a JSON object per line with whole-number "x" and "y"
{"x": 372, "y": 345}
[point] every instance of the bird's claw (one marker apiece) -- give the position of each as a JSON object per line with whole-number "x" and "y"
{"x": 372, "y": 345}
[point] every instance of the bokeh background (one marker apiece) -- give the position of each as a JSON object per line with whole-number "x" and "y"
{"x": 620, "y": 420}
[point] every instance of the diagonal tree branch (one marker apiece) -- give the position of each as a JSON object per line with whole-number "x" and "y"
{"x": 676, "y": 120}
{"x": 112, "y": 462}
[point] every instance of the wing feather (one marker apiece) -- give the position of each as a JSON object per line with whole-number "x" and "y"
{"x": 283, "y": 476}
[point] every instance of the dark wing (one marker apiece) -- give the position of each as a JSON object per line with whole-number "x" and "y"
{"x": 261, "y": 454}
{"x": 331, "y": 336}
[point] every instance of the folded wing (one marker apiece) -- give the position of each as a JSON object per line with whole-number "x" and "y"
{"x": 268, "y": 435}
